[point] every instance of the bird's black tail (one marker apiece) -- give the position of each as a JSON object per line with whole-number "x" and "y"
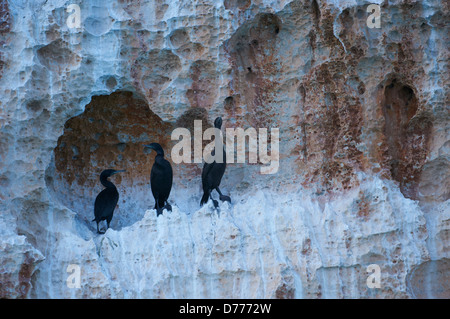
{"x": 205, "y": 197}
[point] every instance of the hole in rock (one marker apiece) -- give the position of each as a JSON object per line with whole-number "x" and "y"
{"x": 316, "y": 12}
{"x": 406, "y": 135}
{"x": 110, "y": 133}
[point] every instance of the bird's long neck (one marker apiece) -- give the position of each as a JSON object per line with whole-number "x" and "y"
{"x": 159, "y": 158}
{"x": 106, "y": 183}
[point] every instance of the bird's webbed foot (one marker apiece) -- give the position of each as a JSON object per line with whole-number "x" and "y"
{"x": 159, "y": 211}
{"x": 168, "y": 207}
{"x": 98, "y": 230}
{"x": 225, "y": 198}
{"x": 216, "y": 203}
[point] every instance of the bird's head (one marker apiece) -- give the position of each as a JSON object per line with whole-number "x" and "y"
{"x": 218, "y": 123}
{"x": 156, "y": 147}
{"x": 110, "y": 172}
{"x": 107, "y": 173}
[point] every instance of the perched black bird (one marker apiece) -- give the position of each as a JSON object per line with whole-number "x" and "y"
{"x": 106, "y": 201}
{"x": 212, "y": 175}
{"x": 161, "y": 178}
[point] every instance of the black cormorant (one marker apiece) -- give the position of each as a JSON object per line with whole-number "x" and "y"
{"x": 106, "y": 201}
{"x": 212, "y": 175}
{"x": 161, "y": 178}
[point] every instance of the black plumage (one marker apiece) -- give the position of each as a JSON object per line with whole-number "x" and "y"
{"x": 212, "y": 175}
{"x": 161, "y": 178}
{"x": 106, "y": 201}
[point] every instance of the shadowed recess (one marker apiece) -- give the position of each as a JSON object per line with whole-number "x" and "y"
{"x": 109, "y": 134}
{"x": 406, "y": 135}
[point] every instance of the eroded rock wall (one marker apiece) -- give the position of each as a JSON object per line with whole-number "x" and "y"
{"x": 364, "y": 147}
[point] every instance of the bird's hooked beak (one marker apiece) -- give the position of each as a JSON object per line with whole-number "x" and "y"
{"x": 151, "y": 146}
{"x": 154, "y": 146}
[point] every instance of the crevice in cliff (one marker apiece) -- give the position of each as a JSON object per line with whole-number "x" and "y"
{"x": 406, "y": 133}
{"x": 316, "y": 13}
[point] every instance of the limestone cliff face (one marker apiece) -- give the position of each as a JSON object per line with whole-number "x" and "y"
{"x": 364, "y": 174}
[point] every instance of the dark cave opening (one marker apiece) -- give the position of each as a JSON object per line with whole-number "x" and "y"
{"x": 110, "y": 133}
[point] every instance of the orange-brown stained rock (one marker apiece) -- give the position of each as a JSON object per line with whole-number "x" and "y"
{"x": 331, "y": 123}
{"x": 133, "y": 8}
{"x": 18, "y": 284}
{"x": 406, "y": 136}
{"x": 285, "y": 292}
{"x": 204, "y": 87}
{"x": 5, "y": 17}
{"x": 430, "y": 279}
{"x": 153, "y": 70}
{"x": 110, "y": 134}
{"x": 56, "y": 56}
{"x": 233, "y": 4}
{"x": 363, "y": 206}
{"x": 252, "y": 58}
{"x": 26, "y": 270}
{"x": 188, "y": 174}
{"x": 5, "y": 27}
